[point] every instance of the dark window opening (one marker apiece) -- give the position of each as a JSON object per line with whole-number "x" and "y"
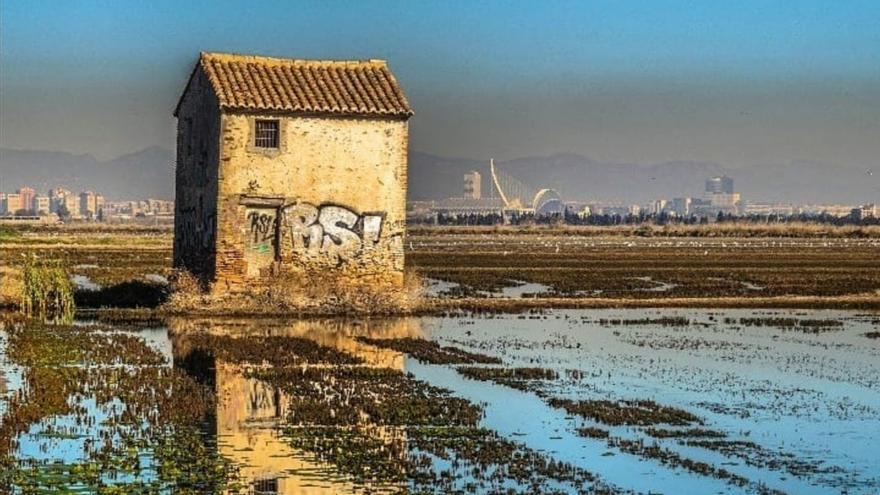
{"x": 266, "y": 487}
{"x": 266, "y": 134}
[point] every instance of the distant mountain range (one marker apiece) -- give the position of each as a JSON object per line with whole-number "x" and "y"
{"x": 149, "y": 173}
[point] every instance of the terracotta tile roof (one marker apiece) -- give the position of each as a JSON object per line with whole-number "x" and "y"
{"x": 244, "y": 82}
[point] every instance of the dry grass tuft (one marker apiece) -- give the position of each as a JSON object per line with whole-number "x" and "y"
{"x": 300, "y": 294}
{"x": 11, "y": 286}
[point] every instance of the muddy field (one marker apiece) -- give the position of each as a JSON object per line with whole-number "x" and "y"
{"x": 564, "y": 401}
{"x": 558, "y": 268}
{"x": 480, "y": 265}
{"x": 465, "y": 398}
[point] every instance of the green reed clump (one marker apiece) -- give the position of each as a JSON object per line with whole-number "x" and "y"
{"x": 46, "y": 290}
{"x": 8, "y": 233}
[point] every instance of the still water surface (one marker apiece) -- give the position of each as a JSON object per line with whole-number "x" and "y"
{"x": 805, "y": 406}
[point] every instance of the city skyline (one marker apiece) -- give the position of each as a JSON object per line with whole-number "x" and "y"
{"x": 719, "y": 196}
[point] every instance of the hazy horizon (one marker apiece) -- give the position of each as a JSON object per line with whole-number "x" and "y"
{"x": 742, "y": 85}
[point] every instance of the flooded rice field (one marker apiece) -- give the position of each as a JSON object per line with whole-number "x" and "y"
{"x": 561, "y": 266}
{"x": 564, "y": 401}
{"x": 535, "y": 264}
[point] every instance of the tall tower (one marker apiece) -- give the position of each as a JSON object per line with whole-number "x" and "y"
{"x": 472, "y": 185}
{"x": 719, "y": 185}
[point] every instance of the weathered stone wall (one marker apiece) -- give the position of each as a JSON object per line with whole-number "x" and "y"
{"x": 198, "y": 152}
{"x": 330, "y": 200}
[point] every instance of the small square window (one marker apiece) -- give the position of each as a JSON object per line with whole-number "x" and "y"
{"x": 265, "y": 487}
{"x": 266, "y": 134}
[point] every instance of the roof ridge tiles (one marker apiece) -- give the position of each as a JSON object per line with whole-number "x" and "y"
{"x": 264, "y": 59}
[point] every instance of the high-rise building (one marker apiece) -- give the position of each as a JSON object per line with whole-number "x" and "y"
{"x": 99, "y": 204}
{"x": 11, "y": 204}
{"x": 40, "y": 205}
{"x": 71, "y": 204}
{"x": 472, "y": 185}
{"x": 658, "y": 206}
{"x": 87, "y": 204}
{"x": 26, "y": 197}
{"x": 719, "y": 185}
{"x": 864, "y": 211}
{"x": 681, "y": 206}
{"x": 57, "y": 199}
{"x": 720, "y": 197}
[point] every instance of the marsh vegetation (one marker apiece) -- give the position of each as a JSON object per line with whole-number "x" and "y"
{"x": 502, "y": 269}
{"x": 556, "y": 402}
{"x": 465, "y": 397}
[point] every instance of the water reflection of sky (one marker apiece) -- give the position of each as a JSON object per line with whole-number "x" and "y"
{"x": 814, "y": 396}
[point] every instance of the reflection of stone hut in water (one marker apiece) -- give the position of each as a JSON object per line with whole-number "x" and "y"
{"x": 290, "y": 165}
{"x": 251, "y": 412}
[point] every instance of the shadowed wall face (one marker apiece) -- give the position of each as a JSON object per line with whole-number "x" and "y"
{"x": 196, "y": 173}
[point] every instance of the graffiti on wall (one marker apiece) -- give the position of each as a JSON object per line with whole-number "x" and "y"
{"x": 332, "y": 232}
{"x": 196, "y": 231}
{"x": 262, "y": 229}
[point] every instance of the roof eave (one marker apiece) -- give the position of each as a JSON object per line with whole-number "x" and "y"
{"x": 192, "y": 74}
{"x": 317, "y": 113}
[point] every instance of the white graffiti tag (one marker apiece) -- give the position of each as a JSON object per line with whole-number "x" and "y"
{"x": 332, "y": 231}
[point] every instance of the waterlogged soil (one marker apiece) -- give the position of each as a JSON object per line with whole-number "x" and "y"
{"x": 476, "y": 265}
{"x": 101, "y": 267}
{"x": 578, "y": 401}
{"x": 122, "y": 268}
{"x": 758, "y": 400}
{"x": 92, "y": 410}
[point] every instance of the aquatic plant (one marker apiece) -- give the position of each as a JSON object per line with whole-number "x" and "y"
{"x": 154, "y": 424}
{"x": 592, "y": 432}
{"x": 496, "y": 374}
{"x": 431, "y": 352}
{"x": 626, "y": 412}
{"x": 525, "y": 379}
{"x": 273, "y": 350}
{"x": 46, "y": 290}
{"x": 685, "y": 433}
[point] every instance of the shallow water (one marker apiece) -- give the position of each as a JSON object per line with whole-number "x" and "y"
{"x": 809, "y": 401}
{"x": 816, "y": 397}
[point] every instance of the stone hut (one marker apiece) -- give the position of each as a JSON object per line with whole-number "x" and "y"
{"x": 290, "y": 166}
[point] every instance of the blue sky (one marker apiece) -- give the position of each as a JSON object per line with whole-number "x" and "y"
{"x": 739, "y": 83}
